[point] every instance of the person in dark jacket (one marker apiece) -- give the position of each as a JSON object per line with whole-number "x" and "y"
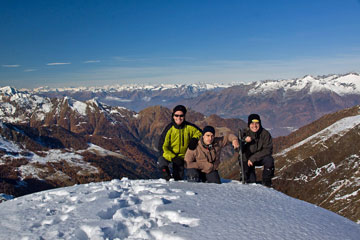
{"x": 257, "y": 151}
{"x": 202, "y": 160}
{"x": 173, "y": 143}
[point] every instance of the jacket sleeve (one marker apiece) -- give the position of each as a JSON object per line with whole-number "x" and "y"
{"x": 196, "y": 131}
{"x": 266, "y": 148}
{"x": 227, "y": 139}
{"x": 164, "y": 142}
{"x": 190, "y": 159}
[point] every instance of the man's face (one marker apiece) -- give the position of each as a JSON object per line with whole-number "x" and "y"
{"x": 179, "y": 117}
{"x": 254, "y": 126}
{"x": 208, "y": 138}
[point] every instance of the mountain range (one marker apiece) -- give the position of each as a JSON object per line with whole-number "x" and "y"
{"x": 55, "y": 142}
{"x": 284, "y": 105}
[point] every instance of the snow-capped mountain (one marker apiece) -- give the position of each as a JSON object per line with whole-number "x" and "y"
{"x": 133, "y": 96}
{"x": 194, "y": 88}
{"x": 339, "y": 84}
{"x": 158, "y": 210}
{"x": 47, "y": 143}
{"x": 285, "y": 105}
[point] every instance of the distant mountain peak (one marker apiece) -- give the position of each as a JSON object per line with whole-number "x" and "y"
{"x": 8, "y": 91}
{"x": 339, "y": 84}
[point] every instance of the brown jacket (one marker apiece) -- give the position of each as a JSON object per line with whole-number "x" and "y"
{"x": 207, "y": 159}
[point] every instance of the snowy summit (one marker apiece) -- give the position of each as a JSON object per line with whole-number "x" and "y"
{"x": 156, "y": 209}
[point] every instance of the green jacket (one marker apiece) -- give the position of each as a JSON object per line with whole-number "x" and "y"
{"x": 175, "y": 139}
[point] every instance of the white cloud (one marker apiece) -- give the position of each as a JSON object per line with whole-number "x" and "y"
{"x": 92, "y": 61}
{"x": 58, "y": 63}
{"x": 30, "y": 70}
{"x": 11, "y": 66}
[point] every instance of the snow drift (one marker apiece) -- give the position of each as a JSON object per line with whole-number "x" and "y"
{"x": 156, "y": 209}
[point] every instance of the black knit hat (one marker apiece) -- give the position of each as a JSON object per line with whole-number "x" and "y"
{"x": 254, "y": 118}
{"x": 208, "y": 129}
{"x": 179, "y": 108}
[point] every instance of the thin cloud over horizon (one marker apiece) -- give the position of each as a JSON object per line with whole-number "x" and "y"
{"x": 58, "y": 63}
{"x": 31, "y": 70}
{"x": 92, "y": 61}
{"x": 11, "y": 66}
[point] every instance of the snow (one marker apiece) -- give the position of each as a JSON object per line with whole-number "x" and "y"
{"x": 110, "y": 98}
{"x": 79, "y": 107}
{"x": 33, "y": 105}
{"x": 54, "y": 155}
{"x": 136, "y": 87}
{"x": 348, "y": 195}
{"x": 342, "y": 85}
{"x": 103, "y": 152}
{"x": 7, "y": 91}
{"x": 156, "y": 209}
{"x": 5, "y": 197}
{"x": 9, "y": 146}
{"x": 74, "y": 159}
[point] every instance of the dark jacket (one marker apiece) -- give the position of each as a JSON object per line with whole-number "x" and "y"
{"x": 207, "y": 159}
{"x": 260, "y": 146}
{"x": 175, "y": 139}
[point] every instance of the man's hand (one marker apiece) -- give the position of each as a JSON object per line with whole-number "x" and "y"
{"x": 193, "y": 143}
{"x": 248, "y": 139}
{"x": 250, "y": 164}
{"x": 236, "y": 144}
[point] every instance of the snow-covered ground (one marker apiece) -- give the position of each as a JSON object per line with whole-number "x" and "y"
{"x": 156, "y": 209}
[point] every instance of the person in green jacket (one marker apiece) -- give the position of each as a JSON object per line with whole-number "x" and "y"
{"x": 174, "y": 142}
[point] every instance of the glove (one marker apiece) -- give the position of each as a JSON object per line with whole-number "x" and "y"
{"x": 193, "y": 143}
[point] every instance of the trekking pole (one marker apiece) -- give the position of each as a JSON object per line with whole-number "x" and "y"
{"x": 241, "y": 157}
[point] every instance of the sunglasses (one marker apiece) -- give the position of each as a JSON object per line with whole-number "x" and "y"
{"x": 176, "y": 115}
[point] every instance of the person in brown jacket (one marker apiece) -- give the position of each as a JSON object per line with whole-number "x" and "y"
{"x": 257, "y": 151}
{"x": 202, "y": 160}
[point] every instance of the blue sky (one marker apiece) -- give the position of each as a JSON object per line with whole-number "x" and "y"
{"x": 94, "y": 43}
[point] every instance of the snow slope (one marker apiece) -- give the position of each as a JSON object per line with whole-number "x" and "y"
{"x": 339, "y": 128}
{"x": 156, "y": 209}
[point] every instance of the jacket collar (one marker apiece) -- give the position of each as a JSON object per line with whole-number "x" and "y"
{"x": 255, "y": 134}
{"x": 179, "y": 126}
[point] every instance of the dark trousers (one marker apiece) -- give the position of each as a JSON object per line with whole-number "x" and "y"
{"x": 268, "y": 172}
{"x": 195, "y": 175}
{"x": 177, "y": 168}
